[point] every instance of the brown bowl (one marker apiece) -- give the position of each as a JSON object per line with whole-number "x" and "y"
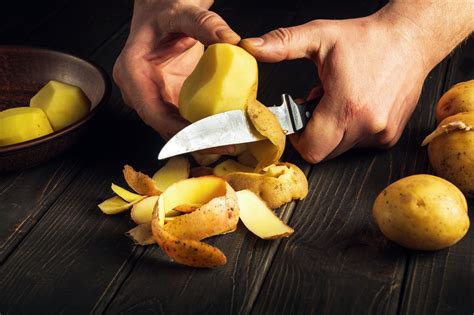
{"x": 23, "y": 71}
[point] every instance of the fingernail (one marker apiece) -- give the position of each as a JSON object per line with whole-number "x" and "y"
{"x": 256, "y": 41}
{"x": 227, "y": 35}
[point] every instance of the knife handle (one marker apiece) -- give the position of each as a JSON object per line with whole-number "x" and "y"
{"x": 301, "y": 113}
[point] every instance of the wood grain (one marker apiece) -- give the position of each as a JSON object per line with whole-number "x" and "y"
{"x": 443, "y": 282}
{"x": 26, "y": 196}
{"x": 337, "y": 261}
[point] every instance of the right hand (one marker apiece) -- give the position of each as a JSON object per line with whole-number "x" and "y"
{"x": 164, "y": 45}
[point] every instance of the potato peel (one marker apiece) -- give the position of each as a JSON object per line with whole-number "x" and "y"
{"x": 266, "y": 123}
{"x": 187, "y": 252}
{"x": 259, "y": 218}
{"x": 142, "y": 211}
{"x": 141, "y": 234}
{"x": 445, "y": 129}
{"x": 176, "y": 169}
{"x": 124, "y": 194}
{"x": 140, "y": 182}
{"x": 116, "y": 205}
{"x": 230, "y": 166}
{"x": 200, "y": 171}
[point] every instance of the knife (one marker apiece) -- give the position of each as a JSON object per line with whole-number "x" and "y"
{"x": 233, "y": 127}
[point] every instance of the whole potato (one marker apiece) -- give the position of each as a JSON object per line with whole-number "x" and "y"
{"x": 459, "y": 98}
{"x": 451, "y": 152}
{"x": 422, "y": 212}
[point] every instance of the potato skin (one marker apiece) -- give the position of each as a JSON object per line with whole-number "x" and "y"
{"x": 459, "y": 98}
{"x": 422, "y": 212}
{"x": 452, "y": 154}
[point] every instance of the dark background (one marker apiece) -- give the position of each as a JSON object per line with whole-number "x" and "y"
{"x": 58, "y": 253}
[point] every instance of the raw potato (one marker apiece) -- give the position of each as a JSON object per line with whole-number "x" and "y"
{"x": 269, "y": 151}
{"x": 64, "y": 104}
{"x": 176, "y": 169}
{"x": 230, "y": 166}
{"x": 116, "y": 205}
{"x": 140, "y": 182}
{"x": 459, "y": 98}
{"x": 22, "y": 124}
{"x": 276, "y": 185}
{"x": 259, "y": 218}
{"x": 225, "y": 78}
{"x": 142, "y": 235}
{"x": 125, "y": 194}
{"x": 451, "y": 151}
{"x": 422, "y": 212}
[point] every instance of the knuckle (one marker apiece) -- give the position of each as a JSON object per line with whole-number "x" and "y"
{"x": 312, "y": 157}
{"x": 205, "y": 17}
{"x": 387, "y": 137}
{"x": 283, "y": 35}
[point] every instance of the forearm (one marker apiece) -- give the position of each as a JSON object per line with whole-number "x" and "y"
{"x": 437, "y": 26}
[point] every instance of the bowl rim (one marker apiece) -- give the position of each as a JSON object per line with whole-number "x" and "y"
{"x": 59, "y": 133}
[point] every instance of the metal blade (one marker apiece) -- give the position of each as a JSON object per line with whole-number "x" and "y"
{"x": 231, "y": 127}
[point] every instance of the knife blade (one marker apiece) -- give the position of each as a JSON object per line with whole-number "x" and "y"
{"x": 233, "y": 127}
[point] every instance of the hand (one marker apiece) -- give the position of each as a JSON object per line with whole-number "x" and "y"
{"x": 371, "y": 74}
{"x": 164, "y": 45}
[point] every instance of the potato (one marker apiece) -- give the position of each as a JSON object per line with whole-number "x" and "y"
{"x": 230, "y": 166}
{"x": 276, "y": 185}
{"x": 225, "y": 78}
{"x": 141, "y": 234}
{"x": 205, "y": 159}
{"x": 140, "y": 182}
{"x": 422, "y": 212}
{"x": 22, "y": 124}
{"x": 459, "y": 98}
{"x": 176, "y": 169}
{"x": 451, "y": 150}
{"x": 142, "y": 211}
{"x": 259, "y": 218}
{"x": 64, "y": 104}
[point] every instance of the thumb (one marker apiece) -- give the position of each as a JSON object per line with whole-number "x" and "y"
{"x": 284, "y": 43}
{"x": 204, "y": 25}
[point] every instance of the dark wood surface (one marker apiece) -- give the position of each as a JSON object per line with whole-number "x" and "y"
{"x": 58, "y": 253}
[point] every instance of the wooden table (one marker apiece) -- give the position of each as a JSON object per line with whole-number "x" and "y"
{"x": 59, "y": 253}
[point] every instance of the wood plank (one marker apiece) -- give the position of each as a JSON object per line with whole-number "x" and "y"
{"x": 442, "y": 282}
{"x": 28, "y": 194}
{"x": 156, "y": 284}
{"x": 337, "y": 261}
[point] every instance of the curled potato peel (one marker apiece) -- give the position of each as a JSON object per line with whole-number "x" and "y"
{"x": 175, "y": 169}
{"x": 140, "y": 182}
{"x": 180, "y": 238}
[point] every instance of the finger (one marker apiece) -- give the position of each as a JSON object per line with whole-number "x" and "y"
{"x": 284, "y": 43}
{"x": 322, "y": 134}
{"x": 227, "y": 149}
{"x": 204, "y": 25}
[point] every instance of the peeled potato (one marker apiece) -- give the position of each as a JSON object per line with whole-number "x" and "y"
{"x": 259, "y": 218}
{"x": 451, "y": 150}
{"x": 225, "y": 78}
{"x": 230, "y": 166}
{"x": 64, "y": 104}
{"x": 422, "y": 212}
{"x": 459, "y": 98}
{"x": 140, "y": 182}
{"x": 22, "y": 124}
{"x": 176, "y": 169}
